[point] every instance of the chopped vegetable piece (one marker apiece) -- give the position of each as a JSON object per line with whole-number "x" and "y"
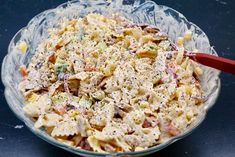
{"x": 60, "y": 109}
{"x": 144, "y": 104}
{"x": 146, "y": 124}
{"x": 23, "y": 46}
{"x": 188, "y": 35}
{"x": 52, "y": 58}
{"x": 85, "y": 102}
{"x": 99, "y": 95}
{"x": 84, "y": 144}
{"x": 89, "y": 67}
{"x": 180, "y": 41}
{"x": 60, "y": 67}
{"x": 33, "y": 97}
{"x": 152, "y": 47}
{"x": 73, "y": 113}
{"x": 172, "y": 130}
{"x": 23, "y": 71}
{"x": 198, "y": 71}
{"x": 146, "y": 53}
{"x": 59, "y": 98}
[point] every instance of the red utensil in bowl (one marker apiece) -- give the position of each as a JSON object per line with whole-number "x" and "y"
{"x": 220, "y": 63}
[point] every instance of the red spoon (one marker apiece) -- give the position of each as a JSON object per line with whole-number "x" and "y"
{"x": 223, "y": 64}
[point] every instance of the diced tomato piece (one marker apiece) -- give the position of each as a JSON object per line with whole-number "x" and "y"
{"x": 23, "y": 71}
{"x": 60, "y": 109}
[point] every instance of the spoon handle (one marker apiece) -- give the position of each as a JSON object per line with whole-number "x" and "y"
{"x": 220, "y": 63}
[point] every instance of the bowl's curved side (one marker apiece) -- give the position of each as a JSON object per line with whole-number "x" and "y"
{"x": 167, "y": 19}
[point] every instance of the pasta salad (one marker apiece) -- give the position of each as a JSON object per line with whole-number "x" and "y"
{"x": 106, "y": 84}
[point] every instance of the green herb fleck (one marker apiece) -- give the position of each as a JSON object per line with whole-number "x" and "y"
{"x": 152, "y": 47}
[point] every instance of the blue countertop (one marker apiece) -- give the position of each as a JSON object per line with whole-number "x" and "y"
{"x": 214, "y": 138}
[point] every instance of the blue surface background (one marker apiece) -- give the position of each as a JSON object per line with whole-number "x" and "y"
{"x": 214, "y": 138}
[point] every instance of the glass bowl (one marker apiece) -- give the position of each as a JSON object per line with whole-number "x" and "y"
{"x": 139, "y": 11}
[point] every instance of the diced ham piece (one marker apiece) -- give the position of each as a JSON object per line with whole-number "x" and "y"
{"x": 154, "y": 122}
{"x": 170, "y": 68}
{"x": 52, "y": 58}
{"x": 89, "y": 68}
{"x": 172, "y": 130}
{"x": 84, "y": 144}
{"x": 146, "y": 124}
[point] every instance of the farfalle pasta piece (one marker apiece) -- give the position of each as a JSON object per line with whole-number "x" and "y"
{"x": 48, "y": 120}
{"x": 41, "y": 106}
{"x": 80, "y": 76}
{"x": 95, "y": 144}
{"x": 54, "y": 87}
{"x": 134, "y": 118}
{"x": 65, "y": 128}
{"x": 103, "y": 115}
{"x": 83, "y": 125}
{"x": 67, "y": 142}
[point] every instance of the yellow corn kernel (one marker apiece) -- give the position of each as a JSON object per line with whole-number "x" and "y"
{"x": 188, "y": 89}
{"x": 139, "y": 148}
{"x": 95, "y": 35}
{"x": 112, "y": 66}
{"x": 180, "y": 91}
{"x": 89, "y": 132}
{"x": 137, "y": 33}
{"x": 88, "y": 59}
{"x": 126, "y": 42}
{"x": 185, "y": 63}
{"x": 95, "y": 54}
{"x": 73, "y": 113}
{"x": 23, "y": 46}
{"x": 188, "y": 35}
{"x": 138, "y": 117}
{"x": 142, "y": 53}
{"x": 132, "y": 63}
{"x": 180, "y": 41}
{"x": 147, "y": 38}
{"x": 180, "y": 55}
{"x": 108, "y": 70}
{"x": 189, "y": 69}
{"x": 144, "y": 104}
{"x": 99, "y": 95}
{"x": 101, "y": 69}
{"x": 189, "y": 115}
{"x": 70, "y": 28}
{"x": 198, "y": 71}
{"x": 33, "y": 97}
